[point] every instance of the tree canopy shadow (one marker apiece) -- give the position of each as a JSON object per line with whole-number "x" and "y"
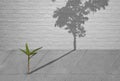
{"x": 51, "y": 62}
{"x": 74, "y": 14}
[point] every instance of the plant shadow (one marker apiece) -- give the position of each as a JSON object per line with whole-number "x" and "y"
{"x": 51, "y": 62}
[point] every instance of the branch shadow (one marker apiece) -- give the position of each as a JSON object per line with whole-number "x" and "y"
{"x": 51, "y": 62}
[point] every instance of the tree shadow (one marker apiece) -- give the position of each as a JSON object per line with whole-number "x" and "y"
{"x": 51, "y": 62}
{"x": 74, "y": 14}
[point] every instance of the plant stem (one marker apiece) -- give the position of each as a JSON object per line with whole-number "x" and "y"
{"x": 28, "y": 64}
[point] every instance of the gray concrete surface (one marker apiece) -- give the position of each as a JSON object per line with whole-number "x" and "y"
{"x": 31, "y": 21}
{"x": 61, "y": 65}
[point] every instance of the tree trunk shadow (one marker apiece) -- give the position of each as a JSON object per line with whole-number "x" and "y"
{"x": 51, "y": 62}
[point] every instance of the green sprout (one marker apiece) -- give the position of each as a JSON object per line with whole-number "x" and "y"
{"x": 29, "y": 54}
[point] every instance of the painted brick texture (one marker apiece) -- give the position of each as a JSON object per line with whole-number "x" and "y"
{"x": 31, "y": 21}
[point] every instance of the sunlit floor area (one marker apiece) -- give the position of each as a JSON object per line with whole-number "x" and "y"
{"x": 61, "y": 65}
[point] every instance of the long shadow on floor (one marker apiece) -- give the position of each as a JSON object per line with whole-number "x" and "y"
{"x": 51, "y": 62}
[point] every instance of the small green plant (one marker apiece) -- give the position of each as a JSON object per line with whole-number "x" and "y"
{"x": 29, "y": 54}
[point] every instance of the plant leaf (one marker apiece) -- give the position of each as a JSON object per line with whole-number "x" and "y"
{"x": 23, "y": 51}
{"x": 27, "y": 49}
{"x": 35, "y": 50}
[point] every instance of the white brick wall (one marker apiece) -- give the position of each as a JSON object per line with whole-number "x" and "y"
{"x": 31, "y": 21}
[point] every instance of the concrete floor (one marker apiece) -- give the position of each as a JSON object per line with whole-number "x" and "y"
{"x": 61, "y": 65}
